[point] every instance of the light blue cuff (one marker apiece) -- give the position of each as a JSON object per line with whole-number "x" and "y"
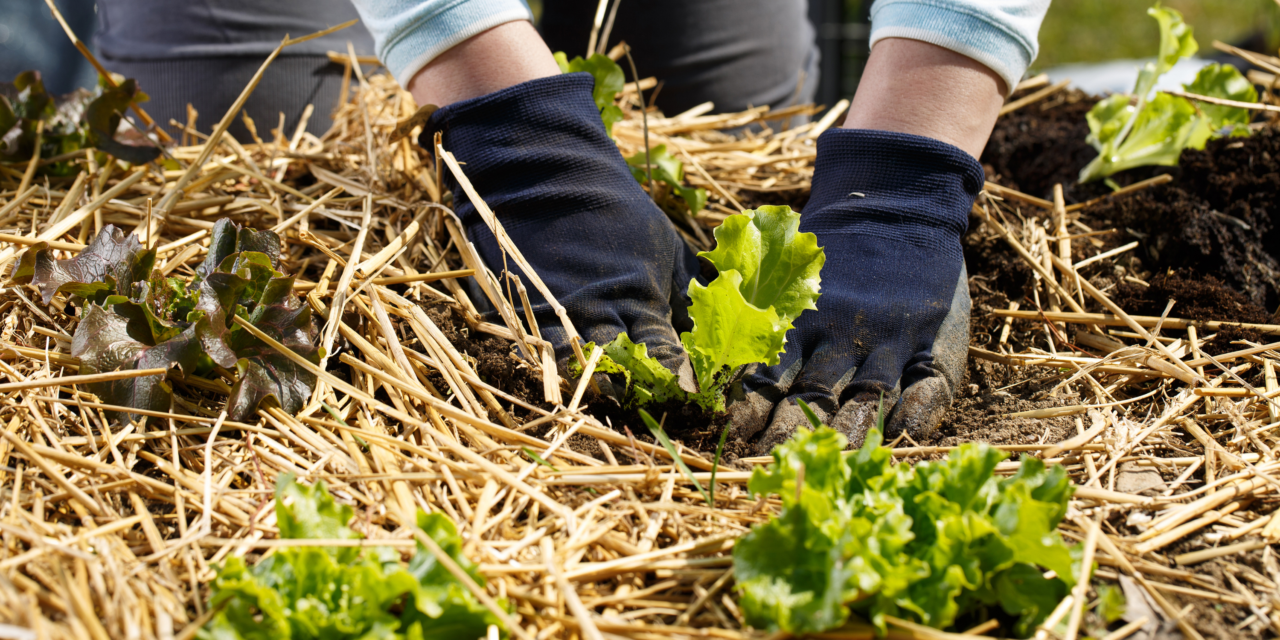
{"x": 1000, "y": 34}
{"x": 409, "y": 34}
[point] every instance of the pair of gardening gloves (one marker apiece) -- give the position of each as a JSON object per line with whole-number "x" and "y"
{"x": 891, "y": 329}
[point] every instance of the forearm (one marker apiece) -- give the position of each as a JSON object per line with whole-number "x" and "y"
{"x": 941, "y": 68}
{"x": 501, "y": 57}
{"x": 411, "y": 34}
{"x": 915, "y": 87}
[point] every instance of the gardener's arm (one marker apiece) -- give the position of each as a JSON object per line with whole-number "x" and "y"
{"x": 533, "y": 145}
{"x": 890, "y": 201}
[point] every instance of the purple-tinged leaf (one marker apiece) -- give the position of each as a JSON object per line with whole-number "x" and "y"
{"x": 119, "y": 338}
{"x": 102, "y": 119}
{"x": 263, "y": 371}
{"x": 228, "y": 238}
{"x": 113, "y": 261}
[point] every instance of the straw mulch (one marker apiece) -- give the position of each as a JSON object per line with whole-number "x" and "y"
{"x": 113, "y": 530}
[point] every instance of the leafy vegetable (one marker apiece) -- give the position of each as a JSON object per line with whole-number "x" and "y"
{"x": 132, "y": 319}
{"x": 1154, "y": 131}
{"x": 74, "y": 122}
{"x": 609, "y": 82}
{"x": 768, "y": 277}
{"x": 1111, "y": 603}
{"x": 926, "y": 543}
{"x": 344, "y": 592}
{"x": 610, "y": 79}
{"x": 666, "y": 169}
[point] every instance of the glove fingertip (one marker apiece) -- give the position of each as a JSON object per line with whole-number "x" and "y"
{"x": 921, "y": 408}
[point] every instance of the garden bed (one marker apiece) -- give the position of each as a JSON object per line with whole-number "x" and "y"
{"x": 116, "y": 530}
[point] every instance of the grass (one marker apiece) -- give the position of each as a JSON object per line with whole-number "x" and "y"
{"x": 1098, "y": 30}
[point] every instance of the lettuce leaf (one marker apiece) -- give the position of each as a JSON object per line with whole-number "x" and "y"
{"x": 609, "y": 82}
{"x": 667, "y": 169}
{"x": 729, "y": 332}
{"x": 778, "y": 264}
{"x": 113, "y": 261}
{"x": 858, "y": 533}
{"x": 1141, "y": 130}
{"x": 1223, "y": 81}
{"x": 132, "y": 319}
{"x": 344, "y": 592}
{"x": 768, "y": 277}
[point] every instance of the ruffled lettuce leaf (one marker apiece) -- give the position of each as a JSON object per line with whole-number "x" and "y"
{"x": 113, "y": 262}
{"x": 344, "y": 592}
{"x": 1176, "y": 43}
{"x": 1141, "y": 130}
{"x": 729, "y": 332}
{"x": 927, "y": 543}
{"x": 778, "y": 264}
{"x": 768, "y": 277}
{"x": 102, "y": 118}
{"x": 1223, "y": 81}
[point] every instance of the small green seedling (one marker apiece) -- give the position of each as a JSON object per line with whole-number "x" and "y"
{"x": 926, "y": 542}
{"x": 661, "y": 437}
{"x": 1140, "y": 130}
{"x": 768, "y": 276}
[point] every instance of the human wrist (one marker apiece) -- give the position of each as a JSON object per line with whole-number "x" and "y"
{"x": 922, "y": 89}
{"x": 496, "y": 59}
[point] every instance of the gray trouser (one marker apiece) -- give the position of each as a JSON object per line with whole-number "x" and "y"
{"x": 734, "y": 53}
{"x": 212, "y": 84}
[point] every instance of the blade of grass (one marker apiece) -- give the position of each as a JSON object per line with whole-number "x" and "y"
{"x": 538, "y": 459}
{"x": 808, "y": 413}
{"x": 334, "y": 412}
{"x": 662, "y": 438}
{"x": 715, "y": 464}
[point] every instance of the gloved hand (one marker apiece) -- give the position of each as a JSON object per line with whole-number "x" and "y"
{"x": 538, "y": 154}
{"x": 893, "y": 318}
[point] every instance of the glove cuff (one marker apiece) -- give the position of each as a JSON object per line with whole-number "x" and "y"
{"x": 534, "y": 150}
{"x": 896, "y": 186}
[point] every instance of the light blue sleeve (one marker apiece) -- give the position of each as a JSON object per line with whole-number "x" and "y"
{"x": 1001, "y": 34}
{"x": 408, "y": 34}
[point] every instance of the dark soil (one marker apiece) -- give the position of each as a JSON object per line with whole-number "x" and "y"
{"x": 688, "y": 425}
{"x": 1218, "y": 217}
{"x": 1041, "y": 145}
{"x": 1203, "y": 298}
{"x": 492, "y": 358}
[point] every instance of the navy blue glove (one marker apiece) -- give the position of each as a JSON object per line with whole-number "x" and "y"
{"x": 539, "y": 156}
{"x": 893, "y": 319}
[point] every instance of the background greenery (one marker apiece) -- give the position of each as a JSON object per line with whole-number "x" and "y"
{"x": 1097, "y": 30}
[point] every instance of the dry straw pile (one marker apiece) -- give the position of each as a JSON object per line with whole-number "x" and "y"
{"x": 113, "y": 530}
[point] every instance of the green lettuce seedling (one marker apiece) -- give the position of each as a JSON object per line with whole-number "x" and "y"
{"x": 609, "y": 80}
{"x": 308, "y": 593}
{"x": 1140, "y": 130}
{"x": 132, "y": 318}
{"x": 925, "y": 543}
{"x": 768, "y": 276}
{"x": 668, "y": 170}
